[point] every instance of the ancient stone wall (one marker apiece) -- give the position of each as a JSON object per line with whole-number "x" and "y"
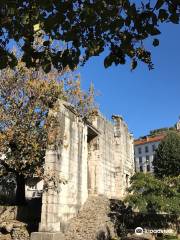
{"x": 94, "y": 157}
{"x": 68, "y": 158}
{"x": 110, "y": 158}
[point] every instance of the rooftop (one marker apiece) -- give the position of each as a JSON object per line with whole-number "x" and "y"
{"x": 149, "y": 139}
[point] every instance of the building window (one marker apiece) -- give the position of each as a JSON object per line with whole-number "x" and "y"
{"x": 34, "y": 187}
{"x": 139, "y": 150}
{"x": 147, "y": 158}
{"x": 146, "y": 149}
{"x": 153, "y": 147}
{"x": 148, "y": 168}
{"x": 140, "y": 160}
{"x": 141, "y": 169}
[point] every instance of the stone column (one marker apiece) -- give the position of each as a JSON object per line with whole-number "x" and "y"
{"x": 84, "y": 166}
{"x": 49, "y": 228}
{"x": 49, "y": 215}
{"x": 118, "y": 149}
{"x": 93, "y": 160}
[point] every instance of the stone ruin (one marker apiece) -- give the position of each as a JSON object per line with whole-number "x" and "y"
{"x": 95, "y": 157}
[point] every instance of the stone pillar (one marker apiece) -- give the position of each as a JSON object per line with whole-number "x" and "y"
{"x": 93, "y": 149}
{"x": 49, "y": 227}
{"x": 84, "y": 166}
{"x": 119, "y": 152}
{"x": 49, "y": 215}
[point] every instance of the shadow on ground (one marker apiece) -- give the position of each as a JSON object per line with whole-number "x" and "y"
{"x": 30, "y": 214}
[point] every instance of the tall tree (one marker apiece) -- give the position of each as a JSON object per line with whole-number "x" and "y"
{"x": 26, "y": 96}
{"x": 150, "y": 195}
{"x": 74, "y": 31}
{"x": 167, "y": 157}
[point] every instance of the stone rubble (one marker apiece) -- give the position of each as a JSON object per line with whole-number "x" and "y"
{"x": 8, "y": 212}
{"x": 11, "y": 229}
{"x": 92, "y": 221}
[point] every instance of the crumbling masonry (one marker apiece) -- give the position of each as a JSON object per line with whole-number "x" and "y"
{"x": 95, "y": 157}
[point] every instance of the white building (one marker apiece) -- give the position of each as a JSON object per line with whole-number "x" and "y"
{"x": 144, "y": 150}
{"x": 33, "y": 188}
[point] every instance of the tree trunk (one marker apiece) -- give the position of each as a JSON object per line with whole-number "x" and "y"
{"x": 20, "y": 190}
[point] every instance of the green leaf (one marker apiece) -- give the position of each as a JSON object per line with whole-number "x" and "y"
{"x": 108, "y": 61}
{"x": 174, "y": 18}
{"x": 154, "y": 31}
{"x": 159, "y": 4}
{"x": 133, "y": 64}
{"x": 155, "y": 42}
{"x": 163, "y": 15}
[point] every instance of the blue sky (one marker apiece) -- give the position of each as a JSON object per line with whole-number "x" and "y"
{"x": 146, "y": 99}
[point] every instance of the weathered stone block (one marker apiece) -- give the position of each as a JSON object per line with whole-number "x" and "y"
{"x": 47, "y": 236}
{"x": 5, "y": 237}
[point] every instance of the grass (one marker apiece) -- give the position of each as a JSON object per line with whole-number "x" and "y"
{"x": 167, "y": 237}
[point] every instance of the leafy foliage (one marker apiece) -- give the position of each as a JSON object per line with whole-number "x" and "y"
{"x": 149, "y": 194}
{"x": 24, "y": 105}
{"x": 7, "y": 186}
{"x": 161, "y": 130}
{"x": 167, "y": 157}
{"x": 124, "y": 218}
{"x": 26, "y": 127}
{"x": 74, "y": 31}
{"x": 118, "y": 215}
